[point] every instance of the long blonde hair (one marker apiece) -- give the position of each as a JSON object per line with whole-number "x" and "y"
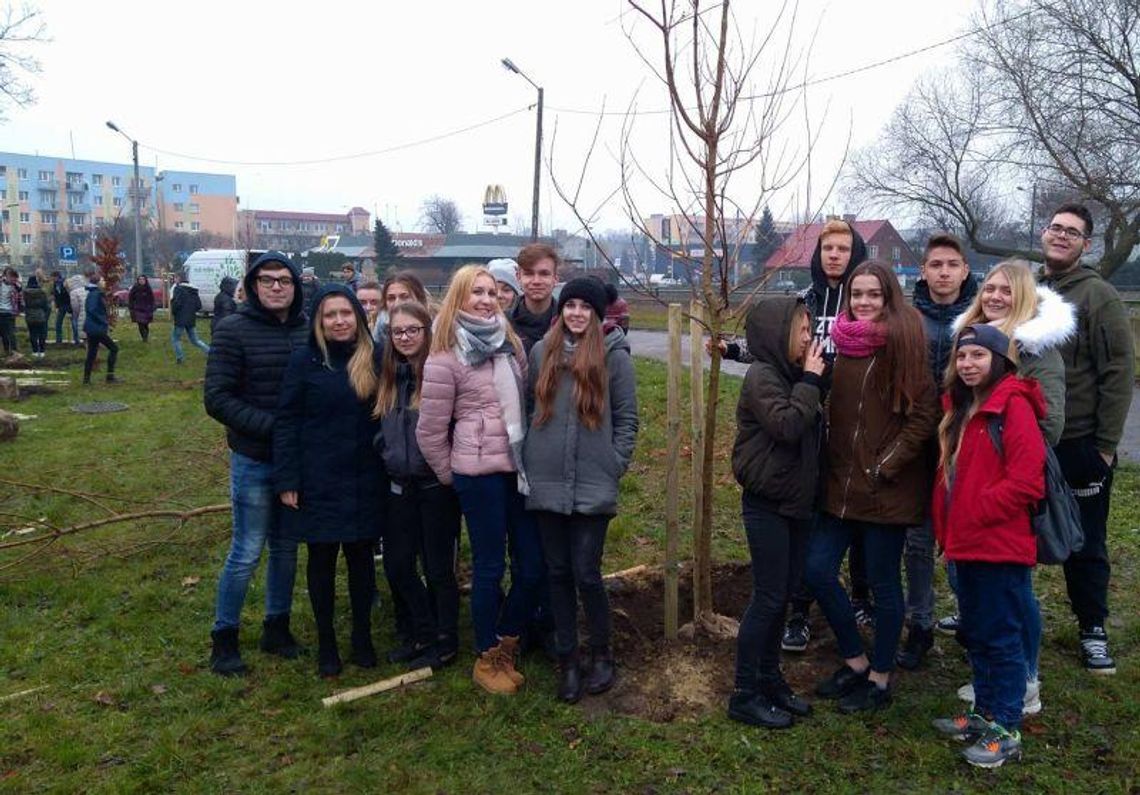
{"x": 1023, "y": 292}
{"x": 361, "y": 371}
{"x": 458, "y": 289}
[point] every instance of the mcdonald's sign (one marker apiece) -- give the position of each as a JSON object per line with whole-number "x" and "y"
{"x": 494, "y": 200}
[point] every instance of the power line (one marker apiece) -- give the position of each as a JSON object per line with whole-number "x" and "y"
{"x": 819, "y": 80}
{"x": 339, "y": 158}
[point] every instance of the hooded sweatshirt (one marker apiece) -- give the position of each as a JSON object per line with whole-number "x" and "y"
{"x": 185, "y": 304}
{"x": 224, "y": 303}
{"x": 778, "y": 417}
{"x": 1099, "y": 358}
{"x": 248, "y": 355}
{"x": 570, "y": 468}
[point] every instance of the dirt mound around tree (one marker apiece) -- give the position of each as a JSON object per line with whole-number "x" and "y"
{"x": 661, "y": 680}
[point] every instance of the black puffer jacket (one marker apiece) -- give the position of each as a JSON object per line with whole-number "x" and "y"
{"x": 778, "y": 417}
{"x": 185, "y": 304}
{"x": 396, "y": 441}
{"x": 248, "y": 355}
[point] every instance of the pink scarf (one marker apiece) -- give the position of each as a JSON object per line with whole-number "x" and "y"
{"x": 858, "y": 338}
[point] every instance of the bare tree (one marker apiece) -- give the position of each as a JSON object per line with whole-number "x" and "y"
{"x": 725, "y": 121}
{"x": 1046, "y": 97}
{"x": 441, "y": 215}
{"x": 20, "y": 30}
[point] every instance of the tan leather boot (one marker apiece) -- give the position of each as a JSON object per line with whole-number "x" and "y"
{"x": 490, "y": 674}
{"x": 509, "y": 649}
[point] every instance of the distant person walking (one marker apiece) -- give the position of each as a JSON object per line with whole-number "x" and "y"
{"x": 37, "y": 310}
{"x": 140, "y": 303}
{"x": 224, "y": 303}
{"x": 97, "y": 327}
{"x": 185, "y": 304}
{"x": 77, "y": 292}
{"x": 9, "y": 309}
{"x": 62, "y": 300}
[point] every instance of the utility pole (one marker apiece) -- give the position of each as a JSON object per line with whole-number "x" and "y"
{"x": 136, "y": 194}
{"x": 509, "y": 66}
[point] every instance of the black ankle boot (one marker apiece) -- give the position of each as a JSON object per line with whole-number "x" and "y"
{"x": 277, "y": 639}
{"x": 918, "y": 642}
{"x": 363, "y": 652}
{"x": 328, "y": 660}
{"x": 746, "y": 706}
{"x": 225, "y": 658}
{"x": 600, "y": 677}
{"x": 569, "y": 678}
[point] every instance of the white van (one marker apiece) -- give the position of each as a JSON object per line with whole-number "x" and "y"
{"x": 205, "y": 269}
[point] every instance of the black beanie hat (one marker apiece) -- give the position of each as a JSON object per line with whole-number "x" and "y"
{"x": 590, "y": 290}
{"x": 985, "y": 336}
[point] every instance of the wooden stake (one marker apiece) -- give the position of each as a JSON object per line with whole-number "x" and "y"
{"x": 701, "y": 547}
{"x": 22, "y": 693}
{"x": 672, "y": 465}
{"x": 363, "y": 691}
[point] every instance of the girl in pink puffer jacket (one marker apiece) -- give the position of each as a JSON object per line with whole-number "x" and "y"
{"x": 470, "y": 431}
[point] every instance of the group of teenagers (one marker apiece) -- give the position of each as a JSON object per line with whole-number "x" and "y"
{"x": 878, "y": 430}
{"x": 366, "y": 413}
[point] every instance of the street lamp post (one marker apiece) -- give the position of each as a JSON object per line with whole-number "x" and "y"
{"x": 136, "y": 193}
{"x": 1032, "y": 211}
{"x": 509, "y": 66}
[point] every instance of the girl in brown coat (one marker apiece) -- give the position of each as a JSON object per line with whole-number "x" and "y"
{"x": 882, "y": 413}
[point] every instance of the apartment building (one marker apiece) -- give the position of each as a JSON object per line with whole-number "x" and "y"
{"x": 46, "y": 202}
{"x": 295, "y": 231}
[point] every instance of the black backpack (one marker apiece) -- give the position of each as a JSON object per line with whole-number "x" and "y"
{"x": 1057, "y": 519}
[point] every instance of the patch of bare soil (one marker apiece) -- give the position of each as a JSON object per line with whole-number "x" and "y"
{"x": 661, "y": 680}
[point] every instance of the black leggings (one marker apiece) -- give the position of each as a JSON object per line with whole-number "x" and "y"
{"x": 144, "y": 331}
{"x": 321, "y": 575}
{"x": 573, "y": 546}
{"x": 93, "y": 343}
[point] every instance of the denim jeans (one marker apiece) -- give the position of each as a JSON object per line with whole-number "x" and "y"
{"x": 573, "y": 546}
{"x": 256, "y": 524}
{"x": 776, "y": 545}
{"x": 176, "y": 340}
{"x": 882, "y": 547}
{"x": 496, "y": 515}
{"x": 59, "y": 316}
{"x": 1031, "y": 630}
{"x": 996, "y": 600}
{"x": 918, "y": 554}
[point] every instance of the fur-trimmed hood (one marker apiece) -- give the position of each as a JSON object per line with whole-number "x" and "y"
{"x": 1054, "y": 323}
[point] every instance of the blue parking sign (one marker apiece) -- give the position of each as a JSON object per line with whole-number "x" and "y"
{"x": 67, "y": 253}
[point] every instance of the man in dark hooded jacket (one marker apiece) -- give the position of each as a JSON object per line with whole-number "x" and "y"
{"x": 247, "y": 362}
{"x": 185, "y": 304}
{"x": 224, "y": 304}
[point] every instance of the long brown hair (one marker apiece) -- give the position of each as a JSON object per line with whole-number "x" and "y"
{"x": 386, "y": 392}
{"x": 458, "y": 289}
{"x": 964, "y": 401}
{"x": 905, "y": 371}
{"x": 361, "y": 372}
{"x": 410, "y": 280}
{"x": 587, "y": 366}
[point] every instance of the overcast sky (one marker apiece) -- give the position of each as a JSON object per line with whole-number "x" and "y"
{"x": 254, "y": 82}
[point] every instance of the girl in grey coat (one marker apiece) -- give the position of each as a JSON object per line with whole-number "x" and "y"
{"x": 582, "y": 404}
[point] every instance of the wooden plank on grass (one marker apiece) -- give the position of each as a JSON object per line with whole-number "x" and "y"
{"x": 364, "y": 691}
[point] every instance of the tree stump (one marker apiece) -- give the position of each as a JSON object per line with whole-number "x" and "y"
{"x": 9, "y": 390}
{"x": 9, "y": 426}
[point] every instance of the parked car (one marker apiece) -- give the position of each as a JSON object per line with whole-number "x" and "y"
{"x": 119, "y": 298}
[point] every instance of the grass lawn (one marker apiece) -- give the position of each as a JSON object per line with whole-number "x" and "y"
{"x": 114, "y": 624}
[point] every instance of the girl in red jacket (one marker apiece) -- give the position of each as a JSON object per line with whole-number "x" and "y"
{"x": 982, "y": 505}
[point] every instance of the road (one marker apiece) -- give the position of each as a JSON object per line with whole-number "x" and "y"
{"x": 654, "y": 345}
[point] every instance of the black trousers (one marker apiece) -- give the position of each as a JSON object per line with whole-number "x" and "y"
{"x": 8, "y": 332}
{"x": 93, "y": 343}
{"x": 321, "y": 575}
{"x": 423, "y": 525}
{"x": 37, "y": 334}
{"x": 1087, "y": 572}
{"x": 573, "y": 546}
{"x": 777, "y": 546}
{"x": 144, "y": 331}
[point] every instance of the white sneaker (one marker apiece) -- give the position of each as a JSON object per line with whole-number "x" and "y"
{"x": 1030, "y": 706}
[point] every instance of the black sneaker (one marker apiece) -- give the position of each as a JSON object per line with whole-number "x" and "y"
{"x": 406, "y": 651}
{"x": 865, "y": 697}
{"x": 948, "y": 625}
{"x": 1094, "y": 651}
{"x": 864, "y": 613}
{"x": 755, "y": 710}
{"x": 796, "y": 634}
{"x": 779, "y": 694}
{"x": 840, "y": 683}
{"x": 918, "y": 642}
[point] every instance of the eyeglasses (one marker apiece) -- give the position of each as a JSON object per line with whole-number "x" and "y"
{"x": 406, "y": 333}
{"x": 268, "y": 281}
{"x": 1065, "y": 231}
